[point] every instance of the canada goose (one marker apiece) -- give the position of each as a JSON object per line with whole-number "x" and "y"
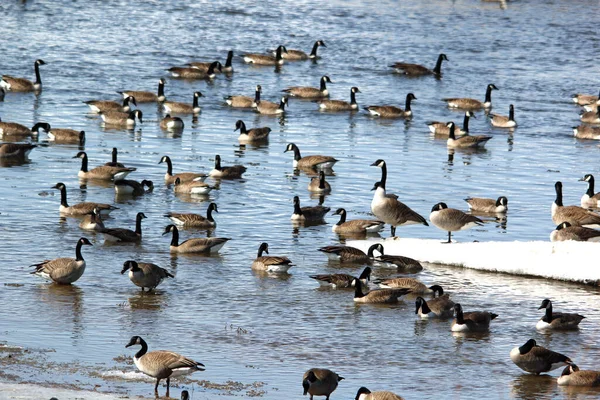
{"x": 185, "y": 395}
{"x": 310, "y": 162}
{"x": 365, "y": 394}
{"x": 244, "y": 101}
{"x": 356, "y": 225}
{"x": 343, "y": 281}
{"x": 194, "y": 245}
{"x": 195, "y": 220}
{"x": 14, "y": 129}
{"x": 145, "y": 275}
{"x": 537, "y": 359}
{"x": 584, "y": 99}
{"x": 404, "y": 264}
{"x": 252, "y": 135}
{"x": 590, "y": 199}
{"x": 573, "y": 376}
{"x": 269, "y": 108}
{"x": 263, "y": 59}
{"x": 183, "y": 108}
{"x": 472, "y": 104}
{"x": 133, "y": 188}
{"x": 307, "y": 92}
{"x": 441, "y": 128}
{"x": 66, "y": 136}
{"x": 195, "y": 73}
{"x": 392, "y": 111}
{"x": 340, "y": 105}
{"x": 502, "y": 121}
{"x": 451, "y": 219}
{"x": 474, "y": 321}
{"x": 15, "y": 150}
{"x": 388, "y": 209}
{"x": 123, "y": 119}
{"x": 192, "y": 187}
{"x": 114, "y": 162}
{"x": 419, "y": 70}
{"x": 183, "y": 176}
{"x": 80, "y": 208}
{"x": 565, "y": 231}
{"x": 232, "y": 172}
{"x": 482, "y": 205}
{"x": 63, "y": 270}
{"x": 162, "y": 364}
{"x": 102, "y": 172}
{"x": 320, "y": 382}
{"x": 21, "y": 84}
{"x": 465, "y": 142}
{"x": 315, "y": 213}
{"x": 122, "y": 235}
{"x": 318, "y": 184}
{"x": 101, "y": 106}
{"x": 377, "y": 295}
{"x": 204, "y": 66}
{"x": 413, "y": 284}
{"x": 439, "y": 307}
{"x": 348, "y": 254}
{"x": 586, "y": 132}
{"x": 557, "y": 320}
{"x": 147, "y": 97}
{"x": 172, "y": 123}
{"x": 92, "y": 221}
{"x": 299, "y": 55}
{"x": 574, "y": 215}
{"x": 591, "y": 117}
{"x": 270, "y": 263}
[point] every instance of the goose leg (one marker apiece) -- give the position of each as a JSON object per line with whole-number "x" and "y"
{"x": 449, "y": 237}
{"x": 156, "y": 387}
{"x": 168, "y": 383}
{"x": 393, "y": 229}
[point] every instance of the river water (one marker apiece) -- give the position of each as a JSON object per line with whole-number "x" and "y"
{"x": 257, "y": 332}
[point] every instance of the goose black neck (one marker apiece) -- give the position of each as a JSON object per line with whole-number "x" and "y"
{"x": 451, "y": 133}
{"x": 590, "y": 190}
{"x": 424, "y": 307}
{"x": 383, "y": 176}
{"x": 243, "y": 129}
{"x": 511, "y": 114}
{"x": 358, "y": 293}
{"x": 63, "y": 197}
{"x": 114, "y": 155}
{"x": 526, "y": 348}
{"x": 321, "y": 180}
{"x": 297, "y": 155}
{"x": 278, "y": 53}
{"x": 466, "y": 123}
{"x": 161, "y": 89}
{"x": 323, "y": 85}
{"x": 229, "y": 59}
{"x": 313, "y": 52}
{"x": 195, "y": 102}
{"x": 549, "y": 313}
{"x": 211, "y": 69}
{"x": 257, "y": 96}
{"x": 460, "y": 317}
{"x": 371, "y": 250}
{"x": 488, "y": 94}
{"x": 209, "y": 213}
{"x": 297, "y": 209}
{"x": 38, "y": 77}
{"x": 175, "y": 238}
{"x": 352, "y": 97}
{"x": 143, "y": 350}
{"x": 408, "y": 101}
{"x": 78, "y": 256}
{"x": 282, "y": 104}
{"x": 558, "y": 200}
{"x": 342, "y": 217}
{"x": 260, "y": 252}
{"x": 84, "y": 163}
{"x": 218, "y": 164}
{"x": 138, "y": 225}
{"x": 169, "y": 166}
{"x": 438, "y": 66}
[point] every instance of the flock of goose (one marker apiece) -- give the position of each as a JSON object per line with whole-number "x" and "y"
{"x": 573, "y": 222}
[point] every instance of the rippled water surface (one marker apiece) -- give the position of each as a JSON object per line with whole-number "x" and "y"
{"x": 247, "y": 327}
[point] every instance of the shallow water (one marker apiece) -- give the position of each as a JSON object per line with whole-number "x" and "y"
{"x": 537, "y": 55}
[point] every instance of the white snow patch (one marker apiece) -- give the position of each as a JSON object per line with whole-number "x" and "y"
{"x": 129, "y": 375}
{"x": 568, "y": 261}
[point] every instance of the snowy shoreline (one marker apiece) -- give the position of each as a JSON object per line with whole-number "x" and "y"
{"x": 565, "y": 261}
